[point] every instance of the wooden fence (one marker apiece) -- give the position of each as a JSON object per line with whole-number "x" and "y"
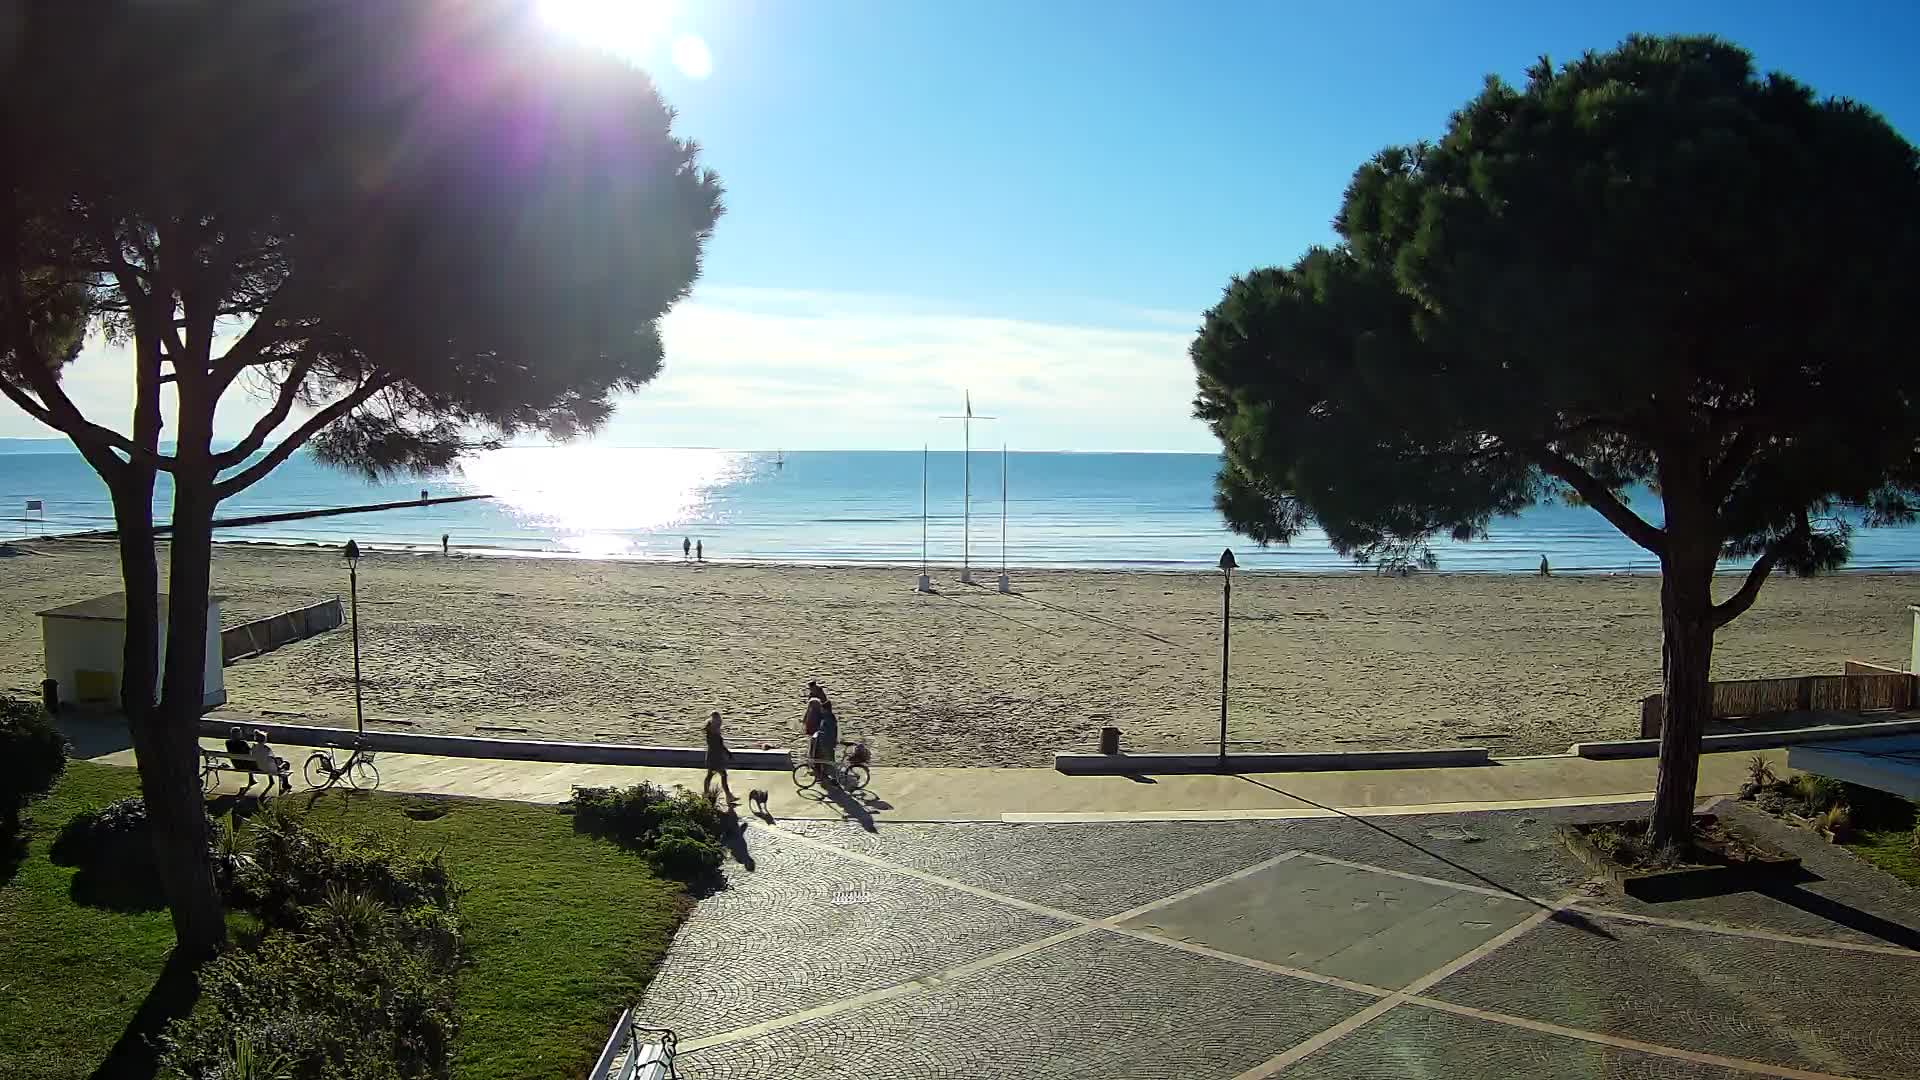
{"x": 268, "y": 634}
{"x": 1865, "y": 687}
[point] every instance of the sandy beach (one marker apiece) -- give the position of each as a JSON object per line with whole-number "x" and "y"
{"x": 621, "y": 651}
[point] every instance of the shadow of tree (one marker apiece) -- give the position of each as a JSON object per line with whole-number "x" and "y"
{"x": 13, "y": 852}
{"x": 136, "y": 1054}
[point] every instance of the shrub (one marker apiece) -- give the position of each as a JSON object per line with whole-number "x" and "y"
{"x": 682, "y": 853}
{"x": 33, "y": 754}
{"x": 364, "y": 1008}
{"x": 353, "y": 981}
{"x": 680, "y": 833}
{"x": 1835, "y": 822}
{"x": 1817, "y": 793}
{"x": 1760, "y": 777}
{"x": 294, "y": 867}
{"x": 112, "y": 846}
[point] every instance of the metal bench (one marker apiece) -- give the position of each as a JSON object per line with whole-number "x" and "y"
{"x": 636, "y": 1052}
{"x": 215, "y": 762}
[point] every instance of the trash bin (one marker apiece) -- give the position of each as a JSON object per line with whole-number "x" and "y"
{"x": 1110, "y": 740}
{"x": 50, "y": 695}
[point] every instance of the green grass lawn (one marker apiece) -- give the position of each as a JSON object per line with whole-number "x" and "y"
{"x": 563, "y": 930}
{"x": 1890, "y": 850}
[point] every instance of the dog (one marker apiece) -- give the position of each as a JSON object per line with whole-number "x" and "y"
{"x": 757, "y": 802}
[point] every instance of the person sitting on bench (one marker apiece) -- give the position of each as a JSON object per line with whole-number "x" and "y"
{"x": 276, "y": 766}
{"x": 240, "y": 751}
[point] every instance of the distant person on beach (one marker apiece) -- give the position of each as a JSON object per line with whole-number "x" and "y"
{"x": 1545, "y": 570}
{"x": 686, "y": 548}
{"x": 241, "y": 751}
{"x": 699, "y": 551}
{"x": 263, "y": 754}
{"x": 717, "y": 756}
{"x": 443, "y": 544}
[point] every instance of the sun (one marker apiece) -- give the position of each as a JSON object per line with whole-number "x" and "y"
{"x": 626, "y": 28}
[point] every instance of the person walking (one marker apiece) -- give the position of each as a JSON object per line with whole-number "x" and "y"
{"x": 443, "y": 545}
{"x": 699, "y": 551}
{"x": 717, "y": 755}
{"x": 686, "y": 548}
{"x": 825, "y": 739}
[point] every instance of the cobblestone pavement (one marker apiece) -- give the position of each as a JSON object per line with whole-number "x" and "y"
{"x": 1453, "y": 946}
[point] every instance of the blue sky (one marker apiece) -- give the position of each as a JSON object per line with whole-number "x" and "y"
{"x": 1037, "y": 200}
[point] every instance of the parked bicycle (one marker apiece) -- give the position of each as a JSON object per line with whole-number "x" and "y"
{"x": 849, "y": 772}
{"x": 323, "y": 771}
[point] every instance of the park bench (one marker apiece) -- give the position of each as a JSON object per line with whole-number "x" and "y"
{"x": 642, "y": 1053}
{"x": 215, "y": 762}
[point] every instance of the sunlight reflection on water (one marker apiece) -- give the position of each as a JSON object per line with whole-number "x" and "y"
{"x": 605, "y": 500}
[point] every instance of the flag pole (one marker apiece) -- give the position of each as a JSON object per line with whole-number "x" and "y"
{"x": 966, "y": 497}
{"x": 966, "y": 490}
{"x": 1003, "y": 519}
{"x": 925, "y": 584}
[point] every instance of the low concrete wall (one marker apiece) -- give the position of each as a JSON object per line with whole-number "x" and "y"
{"x": 398, "y": 742}
{"x": 1335, "y": 761}
{"x": 1751, "y": 740}
{"x": 268, "y": 634}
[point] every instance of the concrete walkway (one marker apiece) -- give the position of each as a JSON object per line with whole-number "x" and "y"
{"x": 1418, "y": 947}
{"x": 1043, "y": 795}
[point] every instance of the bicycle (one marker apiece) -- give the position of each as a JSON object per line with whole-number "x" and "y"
{"x": 849, "y": 772}
{"x": 322, "y": 772}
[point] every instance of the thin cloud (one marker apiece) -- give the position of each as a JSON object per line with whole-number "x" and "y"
{"x": 803, "y": 368}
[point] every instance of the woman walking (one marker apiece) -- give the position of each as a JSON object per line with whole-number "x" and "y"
{"x": 717, "y": 756}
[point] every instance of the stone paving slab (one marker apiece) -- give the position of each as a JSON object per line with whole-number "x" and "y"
{"x": 1092, "y": 1008}
{"x": 1794, "y": 1005}
{"x": 807, "y": 927}
{"x": 1103, "y": 869}
{"x": 1092, "y": 870}
{"x": 1412, "y": 1043}
{"x": 1337, "y": 920}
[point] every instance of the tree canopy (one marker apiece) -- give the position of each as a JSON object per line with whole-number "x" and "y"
{"x": 1649, "y": 266}
{"x": 409, "y": 228}
{"x": 426, "y": 223}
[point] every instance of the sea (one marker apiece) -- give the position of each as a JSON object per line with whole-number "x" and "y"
{"x": 1095, "y": 510}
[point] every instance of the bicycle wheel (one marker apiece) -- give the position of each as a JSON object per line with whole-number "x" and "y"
{"x": 857, "y": 777}
{"x": 362, "y": 774}
{"x": 209, "y": 779}
{"x": 319, "y": 770}
{"x": 803, "y": 776}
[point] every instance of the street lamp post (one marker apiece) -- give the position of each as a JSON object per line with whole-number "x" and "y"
{"x": 1226, "y": 636}
{"x": 353, "y": 591}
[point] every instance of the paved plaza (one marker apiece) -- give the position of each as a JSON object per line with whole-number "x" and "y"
{"x": 1456, "y": 945}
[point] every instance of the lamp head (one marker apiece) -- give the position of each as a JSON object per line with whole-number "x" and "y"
{"x": 353, "y": 553}
{"x": 1227, "y": 562}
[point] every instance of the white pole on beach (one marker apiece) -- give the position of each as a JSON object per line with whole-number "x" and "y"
{"x": 1003, "y": 519}
{"x": 966, "y": 513}
{"x": 925, "y": 584}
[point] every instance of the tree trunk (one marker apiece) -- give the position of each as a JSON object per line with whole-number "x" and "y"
{"x": 1686, "y": 614}
{"x": 168, "y": 753}
{"x": 180, "y": 832}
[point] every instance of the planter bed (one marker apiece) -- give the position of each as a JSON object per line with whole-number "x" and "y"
{"x": 1717, "y": 860}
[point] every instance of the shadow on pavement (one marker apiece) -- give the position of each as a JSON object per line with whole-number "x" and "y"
{"x": 1569, "y": 918}
{"x": 851, "y": 808}
{"x": 1840, "y": 914}
{"x": 135, "y": 1055}
{"x": 92, "y": 735}
{"x": 736, "y": 841}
